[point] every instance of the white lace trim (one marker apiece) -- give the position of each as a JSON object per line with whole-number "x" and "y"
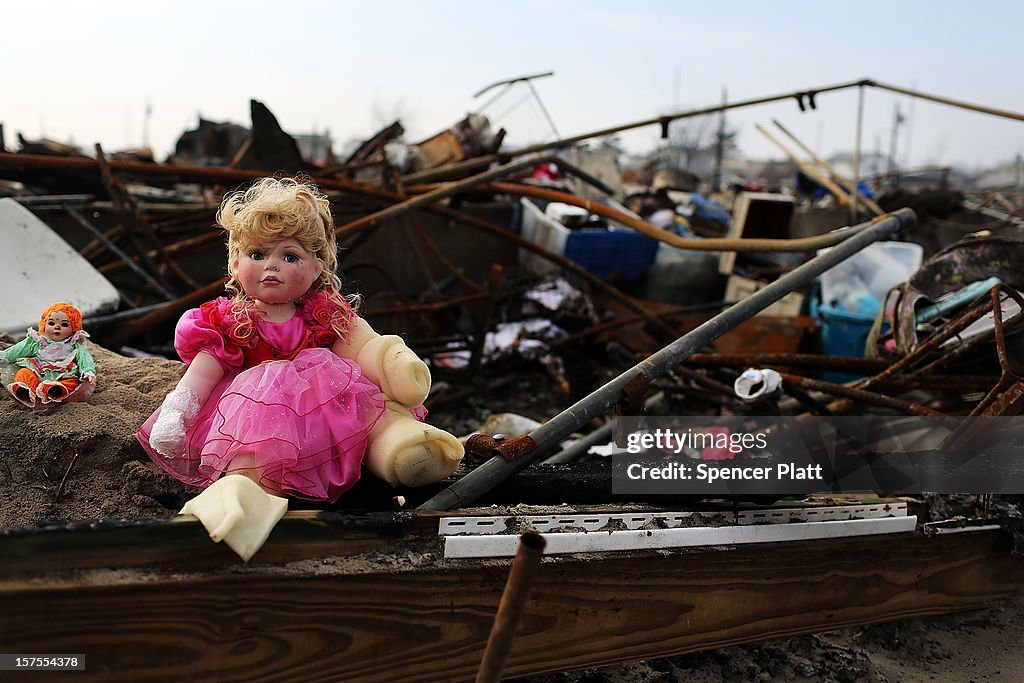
{"x": 55, "y": 352}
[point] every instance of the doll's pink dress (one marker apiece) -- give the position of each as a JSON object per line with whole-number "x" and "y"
{"x": 300, "y": 411}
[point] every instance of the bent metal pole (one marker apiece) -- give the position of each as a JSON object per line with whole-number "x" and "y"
{"x": 497, "y": 469}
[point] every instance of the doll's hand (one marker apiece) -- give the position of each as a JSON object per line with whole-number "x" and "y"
{"x": 168, "y": 435}
{"x": 89, "y": 378}
{"x": 177, "y": 413}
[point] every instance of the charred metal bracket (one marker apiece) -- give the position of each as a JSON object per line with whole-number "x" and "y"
{"x": 799, "y": 97}
{"x": 486, "y": 446}
{"x": 631, "y": 403}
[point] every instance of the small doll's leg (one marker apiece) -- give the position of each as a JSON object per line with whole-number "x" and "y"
{"x": 237, "y": 510}
{"x": 24, "y": 386}
{"x": 56, "y": 391}
{"x": 403, "y": 450}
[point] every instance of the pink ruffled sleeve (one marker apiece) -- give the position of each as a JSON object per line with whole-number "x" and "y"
{"x": 200, "y": 330}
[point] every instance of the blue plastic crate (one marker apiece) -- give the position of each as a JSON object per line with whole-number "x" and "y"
{"x": 612, "y": 253}
{"x": 843, "y": 334}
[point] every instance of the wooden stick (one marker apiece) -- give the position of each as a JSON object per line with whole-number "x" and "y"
{"x": 868, "y": 201}
{"x": 811, "y": 171}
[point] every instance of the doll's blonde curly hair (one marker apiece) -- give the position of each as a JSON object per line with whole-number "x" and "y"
{"x": 275, "y": 209}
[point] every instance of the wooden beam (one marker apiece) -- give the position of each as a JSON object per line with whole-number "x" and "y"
{"x": 407, "y": 617}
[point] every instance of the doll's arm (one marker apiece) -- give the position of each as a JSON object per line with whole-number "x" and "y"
{"x": 180, "y": 407}
{"x": 387, "y": 362}
{"x": 26, "y": 348}
{"x": 86, "y": 364}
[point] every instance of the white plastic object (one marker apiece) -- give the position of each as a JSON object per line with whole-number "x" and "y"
{"x": 566, "y": 214}
{"x": 42, "y": 268}
{"x": 878, "y": 267}
{"x": 754, "y": 383}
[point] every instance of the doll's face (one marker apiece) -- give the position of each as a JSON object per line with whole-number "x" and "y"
{"x": 276, "y": 273}
{"x": 57, "y": 327}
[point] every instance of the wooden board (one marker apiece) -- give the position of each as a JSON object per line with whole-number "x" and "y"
{"x": 421, "y": 619}
{"x": 757, "y": 215}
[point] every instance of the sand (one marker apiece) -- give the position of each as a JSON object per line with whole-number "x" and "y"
{"x": 110, "y": 477}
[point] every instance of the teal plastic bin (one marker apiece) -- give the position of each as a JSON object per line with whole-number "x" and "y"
{"x": 843, "y": 334}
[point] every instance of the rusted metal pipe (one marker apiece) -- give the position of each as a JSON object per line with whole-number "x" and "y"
{"x": 707, "y": 244}
{"x": 494, "y": 471}
{"x": 791, "y": 360}
{"x": 202, "y": 174}
{"x": 429, "y": 306}
{"x": 172, "y": 308}
{"x": 435, "y": 195}
{"x": 510, "y": 609}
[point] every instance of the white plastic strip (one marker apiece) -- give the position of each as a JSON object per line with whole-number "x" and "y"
{"x": 505, "y": 545}
{"x": 665, "y": 520}
{"x": 960, "y": 529}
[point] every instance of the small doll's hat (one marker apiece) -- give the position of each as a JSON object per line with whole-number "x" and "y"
{"x": 73, "y": 314}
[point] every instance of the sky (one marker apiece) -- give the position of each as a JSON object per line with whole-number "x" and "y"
{"x": 86, "y": 72}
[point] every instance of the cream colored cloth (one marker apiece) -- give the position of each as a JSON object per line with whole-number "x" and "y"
{"x": 403, "y": 450}
{"x": 236, "y": 510}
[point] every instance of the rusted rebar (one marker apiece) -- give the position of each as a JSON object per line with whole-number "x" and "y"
{"x": 510, "y": 609}
{"x": 903, "y": 367}
{"x": 433, "y": 196}
{"x": 859, "y": 395}
{"x": 172, "y": 308}
{"x": 790, "y": 360}
{"x": 181, "y": 172}
{"x": 480, "y": 339}
{"x": 132, "y": 220}
{"x": 1006, "y": 376}
{"x": 114, "y": 249}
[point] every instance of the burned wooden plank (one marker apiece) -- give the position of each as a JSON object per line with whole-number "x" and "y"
{"x": 413, "y": 620}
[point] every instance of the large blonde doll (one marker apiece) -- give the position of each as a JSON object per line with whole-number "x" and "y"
{"x": 287, "y": 390}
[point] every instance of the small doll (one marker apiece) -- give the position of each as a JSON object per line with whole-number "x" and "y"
{"x": 287, "y": 391}
{"x": 53, "y": 363}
